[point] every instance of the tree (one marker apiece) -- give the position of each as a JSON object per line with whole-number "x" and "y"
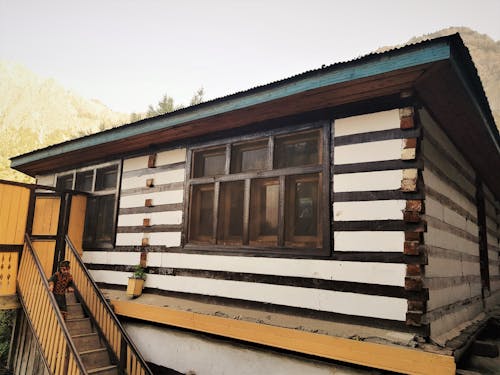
{"x": 198, "y": 96}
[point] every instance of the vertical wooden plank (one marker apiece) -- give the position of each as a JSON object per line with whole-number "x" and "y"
{"x": 77, "y": 221}
{"x": 45, "y": 251}
{"x": 14, "y": 196}
{"x": 46, "y": 216}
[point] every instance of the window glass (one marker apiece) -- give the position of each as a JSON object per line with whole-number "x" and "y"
{"x": 106, "y": 178}
{"x": 231, "y": 211}
{"x": 264, "y": 206}
{"x": 302, "y": 210}
{"x": 249, "y": 157}
{"x": 297, "y": 150}
{"x": 84, "y": 180}
{"x": 65, "y": 182}
{"x": 105, "y": 218}
{"x": 202, "y": 211}
{"x": 209, "y": 163}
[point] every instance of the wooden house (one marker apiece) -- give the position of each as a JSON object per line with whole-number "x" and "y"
{"x": 349, "y": 215}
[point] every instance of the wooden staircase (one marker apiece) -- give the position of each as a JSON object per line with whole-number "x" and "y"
{"x": 92, "y": 348}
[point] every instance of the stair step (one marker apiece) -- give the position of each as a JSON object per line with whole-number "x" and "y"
{"x": 108, "y": 370}
{"x": 79, "y": 326}
{"x": 75, "y": 311}
{"x": 87, "y": 341}
{"x": 95, "y": 358}
{"x": 71, "y": 298}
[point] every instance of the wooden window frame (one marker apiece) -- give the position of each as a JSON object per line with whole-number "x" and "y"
{"x": 97, "y": 195}
{"x": 281, "y": 246}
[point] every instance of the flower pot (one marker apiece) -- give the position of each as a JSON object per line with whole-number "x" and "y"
{"x": 135, "y": 286}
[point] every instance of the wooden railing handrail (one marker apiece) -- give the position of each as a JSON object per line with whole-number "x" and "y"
{"x": 124, "y": 336}
{"x": 59, "y": 317}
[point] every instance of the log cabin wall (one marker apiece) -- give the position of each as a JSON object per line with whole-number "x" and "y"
{"x": 453, "y": 275}
{"x": 367, "y": 278}
{"x": 492, "y": 229}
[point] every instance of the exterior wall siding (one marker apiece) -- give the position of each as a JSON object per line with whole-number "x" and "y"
{"x": 172, "y": 270}
{"x": 453, "y": 275}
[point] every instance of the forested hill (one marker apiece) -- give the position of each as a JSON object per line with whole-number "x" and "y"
{"x": 485, "y": 53}
{"x": 37, "y": 112}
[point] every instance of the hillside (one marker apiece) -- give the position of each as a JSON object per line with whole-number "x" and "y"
{"x": 44, "y": 113}
{"x": 485, "y": 53}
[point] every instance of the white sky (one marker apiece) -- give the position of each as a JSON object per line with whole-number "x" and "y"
{"x": 128, "y": 53}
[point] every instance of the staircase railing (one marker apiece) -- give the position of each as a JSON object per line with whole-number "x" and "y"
{"x": 47, "y": 323}
{"x": 130, "y": 360}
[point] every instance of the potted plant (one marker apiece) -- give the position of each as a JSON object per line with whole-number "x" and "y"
{"x": 136, "y": 281}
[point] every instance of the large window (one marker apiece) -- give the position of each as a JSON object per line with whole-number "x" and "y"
{"x": 269, "y": 193}
{"x": 100, "y": 217}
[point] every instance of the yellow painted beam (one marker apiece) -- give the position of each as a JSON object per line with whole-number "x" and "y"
{"x": 386, "y": 357}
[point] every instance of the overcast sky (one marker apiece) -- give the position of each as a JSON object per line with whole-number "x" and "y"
{"x": 127, "y": 53}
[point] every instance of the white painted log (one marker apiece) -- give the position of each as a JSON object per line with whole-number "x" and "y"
{"x": 369, "y": 241}
{"x": 160, "y": 178}
{"x": 159, "y": 198}
{"x": 368, "y": 181}
{"x": 46, "y": 180}
{"x": 168, "y": 239}
{"x": 367, "y": 123}
{"x": 369, "y": 210}
{"x": 361, "y": 272}
{"x": 132, "y": 164}
{"x": 368, "y": 152}
{"x": 156, "y": 218}
{"x": 437, "y": 158}
{"x": 446, "y": 240}
{"x": 437, "y": 183}
{"x": 112, "y": 257}
{"x": 315, "y": 299}
{"x": 439, "y": 297}
{"x": 438, "y": 134}
{"x": 171, "y": 156}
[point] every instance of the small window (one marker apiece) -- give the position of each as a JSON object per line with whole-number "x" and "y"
{"x": 65, "y": 182}
{"x": 264, "y": 211}
{"x": 297, "y": 150}
{"x": 202, "y": 213}
{"x": 106, "y": 178}
{"x": 84, "y": 181}
{"x": 249, "y": 157}
{"x": 231, "y": 213}
{"x": 210, "y": 163}
{"x": 303, "y": 227}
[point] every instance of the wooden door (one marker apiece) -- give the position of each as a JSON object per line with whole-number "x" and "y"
{"x": 45, "y": 229}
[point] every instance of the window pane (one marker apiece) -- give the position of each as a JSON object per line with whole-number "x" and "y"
{"x": 297, "y": 150}
{"x": 65, "y": 182}
{"x": 202, "y": 209}
{"x": 306, "y": 206}
{"x": 231, "y": 211}
{"x": 249, "y": 157}
{"x": 105, "y": 218}
{"x": 84, "y": 181}
{"x": 209, "y": 163}
{"x": 302, "y": 211}
{"x": 106, "y": 178}
{"x": 90, "y": 215}
{"x": 264, "y": 210}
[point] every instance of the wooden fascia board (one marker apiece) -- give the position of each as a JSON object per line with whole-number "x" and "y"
{"x": 399, "y": 59}
{"x": 386, "y": 357}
